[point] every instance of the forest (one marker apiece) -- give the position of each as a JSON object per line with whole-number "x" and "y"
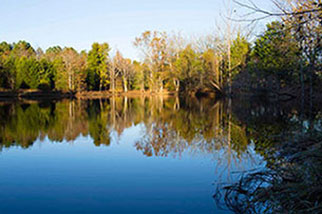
{"x": 165, "y": 67}
{"x": 285, "y": 59}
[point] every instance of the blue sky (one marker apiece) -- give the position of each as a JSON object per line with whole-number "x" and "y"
{"x": 79, "y": 23}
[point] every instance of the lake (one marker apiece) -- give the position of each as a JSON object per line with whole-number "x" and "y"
{"x": 131, "y": 155}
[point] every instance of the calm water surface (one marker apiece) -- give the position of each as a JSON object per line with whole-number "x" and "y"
{"x": 121, "y": 155}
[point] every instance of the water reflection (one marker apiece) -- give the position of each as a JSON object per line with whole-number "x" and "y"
{"x": 229, "y": 131}
{"x": 170, "y": 125}
{"x": 288, "y": 136}
{"x": 118, "y": 149}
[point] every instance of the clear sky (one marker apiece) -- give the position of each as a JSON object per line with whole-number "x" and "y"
{"x": 79, "y": 23}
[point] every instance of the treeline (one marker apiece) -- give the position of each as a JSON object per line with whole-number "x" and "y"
{"x": 288, "y": 53}
{"x": 170, "y": 63}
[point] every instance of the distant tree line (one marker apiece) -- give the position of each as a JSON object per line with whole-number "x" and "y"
{"x": 288, "y": 53}
{"x": 169, "y": 64}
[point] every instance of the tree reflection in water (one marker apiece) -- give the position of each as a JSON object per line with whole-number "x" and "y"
{"x": 289, "y": 138}
{"x": 171, "y": 125}
{"x": 286, "y": 135}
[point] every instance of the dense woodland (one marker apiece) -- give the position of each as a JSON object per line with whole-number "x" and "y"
{"x": 166, "y": 66}
{"x": 287, "y": 54}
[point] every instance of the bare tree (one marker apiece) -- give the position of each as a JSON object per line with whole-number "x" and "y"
{"x": 154, "y": 45}
{"x": 122, "y": 67}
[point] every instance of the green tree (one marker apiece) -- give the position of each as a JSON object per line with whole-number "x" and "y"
{"x": 188, "y": 68}
{"x": 23, "y": 48}
{"x": 55, "y": 65}
{"x": 275, "y": 53}
{"x": 31, "y": 68}
{"x": 139, "y": 80}
{"x": 46, "y": 74}
{"x": 239, "y": 53}
{"x": 98, "y": 66}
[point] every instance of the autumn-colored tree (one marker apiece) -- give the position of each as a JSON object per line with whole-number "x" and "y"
{"x": 124, "y": 68}
{"x": 73, "y": 75}
{"x": 5, "y": 68}
{"x": 154, "y": 46}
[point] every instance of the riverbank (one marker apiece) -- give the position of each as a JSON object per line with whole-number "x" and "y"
{"x": 107, "y": 94}
{"x": 57, "y": 95}
{"x": 34, "y": 95}
{"x": 269, "y": 88}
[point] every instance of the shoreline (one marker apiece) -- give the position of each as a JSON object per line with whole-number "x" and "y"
{"x": 58, "y": 95}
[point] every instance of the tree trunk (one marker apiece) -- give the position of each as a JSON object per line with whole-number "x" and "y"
{"x": 311, "y": 90}
{"x": 161, "y": 85}
{"x": 142, "y": 83}
{"x": 101, "y": 84}
{"x": 151, "y": 82}
{"x": 113, "y": 85}
{"x": 176, "y": 84}
{"x": 70, "y": 82}
{"x": 142, "y": 86}
{"x": 302, "y": 86}
{"x": 125, "y": 84}
{"x": 176, "y": 104}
